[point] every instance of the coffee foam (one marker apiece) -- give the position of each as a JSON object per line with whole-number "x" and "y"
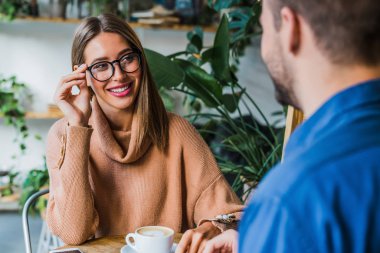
{"x": 154, "y": 232}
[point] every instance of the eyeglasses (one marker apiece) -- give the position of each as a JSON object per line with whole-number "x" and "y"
{"x": 104, "y": 70}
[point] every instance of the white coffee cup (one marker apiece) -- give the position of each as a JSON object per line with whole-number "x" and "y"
{"x": 151, "y": 239}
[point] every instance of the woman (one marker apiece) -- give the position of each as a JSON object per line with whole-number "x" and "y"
{"x": 118, "y": 160}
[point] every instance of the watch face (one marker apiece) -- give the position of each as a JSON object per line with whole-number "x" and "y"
{"x": 226, "y": 218}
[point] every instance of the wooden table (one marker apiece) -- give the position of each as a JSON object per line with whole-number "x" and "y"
{"x": 109, "y": 244}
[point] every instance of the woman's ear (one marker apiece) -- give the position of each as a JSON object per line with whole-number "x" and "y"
{"x": 75, "y": 67}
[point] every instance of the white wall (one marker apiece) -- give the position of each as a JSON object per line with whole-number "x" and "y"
{"x": 39, "y": 54}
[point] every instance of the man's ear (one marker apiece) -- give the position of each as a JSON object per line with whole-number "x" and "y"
{"x": 290, "y": 30}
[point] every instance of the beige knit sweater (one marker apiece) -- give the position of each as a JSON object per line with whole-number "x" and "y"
{"x": 101, "y": 185}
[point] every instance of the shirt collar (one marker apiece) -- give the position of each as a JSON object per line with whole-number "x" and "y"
{"x": 335, "y": 110}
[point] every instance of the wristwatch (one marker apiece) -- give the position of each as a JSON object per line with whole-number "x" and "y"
{"x": 225, "y": 218}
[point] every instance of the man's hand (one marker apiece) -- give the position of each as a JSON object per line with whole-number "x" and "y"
{"x": 225, "y": 242}
{"x": 194, "y": 240}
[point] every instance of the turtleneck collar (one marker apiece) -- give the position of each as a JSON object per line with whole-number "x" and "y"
{"x": 117, "y": 145}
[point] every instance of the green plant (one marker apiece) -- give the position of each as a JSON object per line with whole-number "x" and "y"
{"x": 36, "y": 179}
{"x": 242, "y": 146}
{"x": 10, "y": 187}
{"x": 10, "y": 8}
{"x": 12, "y": 107}
{"x": 104, "y": 6}
{"x": 167, "y": 98}
{"x": 7, "y": 10}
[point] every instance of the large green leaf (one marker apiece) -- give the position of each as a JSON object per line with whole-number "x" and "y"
{"x": 231, "y": 101}
{"x": 195, "y": 38}
{"x": 207, "y": 55}
{"x": 241, "y": 143}
{"x": 191, "y": 48}
{"x": 204, "y": 85}
{"x": 220, "y": 53}
{"x": 166, "y": 73}
{"x": 241, "y": 22}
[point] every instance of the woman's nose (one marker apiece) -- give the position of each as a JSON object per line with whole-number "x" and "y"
{"x": 119, "y": 74}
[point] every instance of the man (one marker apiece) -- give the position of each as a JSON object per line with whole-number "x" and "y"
{"x": 324, "y": 58}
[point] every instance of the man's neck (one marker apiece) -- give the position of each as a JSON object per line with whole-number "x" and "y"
{"x": 323, "y": 86}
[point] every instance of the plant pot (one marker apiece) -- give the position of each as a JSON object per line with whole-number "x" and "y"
{"x": 11, "y": 198}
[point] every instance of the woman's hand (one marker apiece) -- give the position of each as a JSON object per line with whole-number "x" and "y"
{"x": 194, "y": 240}
{"x": 76, "y": 108}
{"x": 225, "y": 242}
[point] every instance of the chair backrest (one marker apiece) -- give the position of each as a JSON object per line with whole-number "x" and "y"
{"x": 294, "y": 117}
{"x": 25, "y": 220}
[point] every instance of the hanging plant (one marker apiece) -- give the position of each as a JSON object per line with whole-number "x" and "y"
{"x": 9, "y": 9}
{"x": 13, "y": 97}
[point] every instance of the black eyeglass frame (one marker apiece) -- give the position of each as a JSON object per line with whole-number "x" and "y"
{"x": 113, "y": 67}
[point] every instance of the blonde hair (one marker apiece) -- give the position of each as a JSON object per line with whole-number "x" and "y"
{"x": 149, "y": 109}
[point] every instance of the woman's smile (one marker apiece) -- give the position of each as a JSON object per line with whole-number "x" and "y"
{"x": 121, "y": 90}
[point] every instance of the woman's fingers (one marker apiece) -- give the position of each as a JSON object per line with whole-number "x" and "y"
{"x": 71, "y": 77}
{"x": 66, "y": 108}
{"x": 88, "y": 79}
{"x": 65, "y": 89}
{"x": 75, "y": 104}
{"x": 81, "y": 69}
{"x": 185, "y": 242}
{"x": 196, "y": 242}
{"x": 225, "y": 242}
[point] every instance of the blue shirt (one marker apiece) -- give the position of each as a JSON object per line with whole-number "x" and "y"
{"x": 325, "y": 196}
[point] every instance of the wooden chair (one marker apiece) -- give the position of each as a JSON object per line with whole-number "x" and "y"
{"x": 293, "y": 119}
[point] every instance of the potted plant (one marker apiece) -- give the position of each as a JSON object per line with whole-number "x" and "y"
{"x": 9, "y": 9}
{"x": 10, "y": 191}
{"x": 243, "y": 147}
{"x": 37, "y": 179}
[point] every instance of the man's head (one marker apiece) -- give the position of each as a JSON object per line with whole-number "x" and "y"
{"x": 344, "y": 32}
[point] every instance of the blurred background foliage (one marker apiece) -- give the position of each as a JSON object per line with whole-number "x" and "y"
{"x": 14, "y": 96}
{"x": 245, "y": 144}
{"x": 220, "y": 106}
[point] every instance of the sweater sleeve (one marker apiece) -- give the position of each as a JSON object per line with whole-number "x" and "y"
{"x": 218, "y": 199}
{"x": 71, "y": 213}
{"x": 208, "y": 192}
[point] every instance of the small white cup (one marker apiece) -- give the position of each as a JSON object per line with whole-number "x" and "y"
{"x": 151, "y": 239}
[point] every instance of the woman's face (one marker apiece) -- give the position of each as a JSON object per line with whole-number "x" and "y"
{"x": 118, "y": 92}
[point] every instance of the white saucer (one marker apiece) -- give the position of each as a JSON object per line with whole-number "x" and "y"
{"x": 128, "y": 249}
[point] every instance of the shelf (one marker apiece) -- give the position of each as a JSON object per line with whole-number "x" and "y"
{"x": 10, "y": 203}
{"x": 43, "y": 115}
{"x": 134, "y": 25}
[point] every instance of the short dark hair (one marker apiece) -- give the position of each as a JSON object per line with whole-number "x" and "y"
{"x": 347, "y": 31}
